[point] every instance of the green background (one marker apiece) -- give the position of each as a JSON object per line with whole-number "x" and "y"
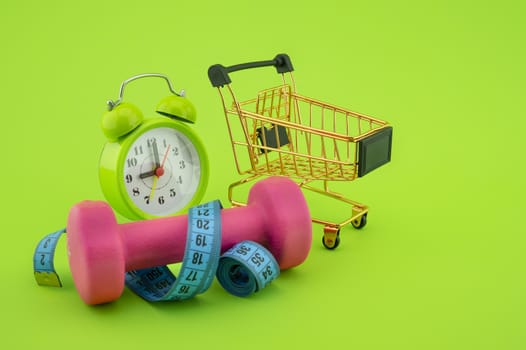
{"x": 441, "y": 262}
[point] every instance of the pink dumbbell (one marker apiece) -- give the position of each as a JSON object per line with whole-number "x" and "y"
{"x": 100, "y": 250}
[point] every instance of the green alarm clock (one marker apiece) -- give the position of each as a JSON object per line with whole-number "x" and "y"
{"x": 152, "y": 167}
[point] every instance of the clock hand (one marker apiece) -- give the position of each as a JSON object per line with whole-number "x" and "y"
{"x": 153, "y": 186}
{"x": 165, "y": 156}
{"x": 147, "y": 174}
{"x": 156, "y": 154}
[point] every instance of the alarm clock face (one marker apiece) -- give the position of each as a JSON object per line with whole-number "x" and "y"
{"x": 161, "y": 171}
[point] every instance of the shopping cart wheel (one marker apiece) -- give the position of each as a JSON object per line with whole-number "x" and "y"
{"x": 360, "y": 222}
{"x": 331, "y": 237}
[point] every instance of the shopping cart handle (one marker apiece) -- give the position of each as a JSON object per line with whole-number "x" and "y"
{"x": 218, "y": 74}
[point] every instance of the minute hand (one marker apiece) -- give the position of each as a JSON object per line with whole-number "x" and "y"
{"x": 156, "y": 154}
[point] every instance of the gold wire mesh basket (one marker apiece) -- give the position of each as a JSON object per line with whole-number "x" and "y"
{"x": 282, "y": 133}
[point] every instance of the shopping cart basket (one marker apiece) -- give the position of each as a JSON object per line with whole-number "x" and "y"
{"x": 280, "y": 132}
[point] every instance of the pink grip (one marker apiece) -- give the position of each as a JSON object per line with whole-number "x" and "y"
{"x": 162, "y": 241}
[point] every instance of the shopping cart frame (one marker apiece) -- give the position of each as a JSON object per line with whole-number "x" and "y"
{"x": 371, "y": 143}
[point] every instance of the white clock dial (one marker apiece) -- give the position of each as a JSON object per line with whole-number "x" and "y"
{"x": 161, "y": 171}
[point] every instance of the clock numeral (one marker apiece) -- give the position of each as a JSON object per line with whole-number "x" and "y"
{"x": 172, "y": 192}
{"x": 132, "y": 162}
{"x": 138, "y": 150}
{"x": 136, "y": 191}
{"x": 182, "y": 165}
{"x": 175, "y": 151}
{"x": 161, "y": 200}
{"x": 151, "y": 142}
{"x": 129, "y": 178}
{"x": 164, "y": 143}
{"x": 147, "y": 199}
{"x": 179, "y": 180}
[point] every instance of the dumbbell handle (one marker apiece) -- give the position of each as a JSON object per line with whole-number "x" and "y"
{"x": 162, "y": 241}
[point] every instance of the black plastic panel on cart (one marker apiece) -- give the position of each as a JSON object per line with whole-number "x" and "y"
{"x": 374, "y": 151}
{"x": 270, "y": 139}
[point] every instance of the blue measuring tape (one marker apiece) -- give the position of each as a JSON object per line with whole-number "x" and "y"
{"x": 244, "y": 269}
{"x": 203, "y": 245}
{"x": 43, "y": 266}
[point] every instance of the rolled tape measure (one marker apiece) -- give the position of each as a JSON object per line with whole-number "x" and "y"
{"x": 244, "y": 269}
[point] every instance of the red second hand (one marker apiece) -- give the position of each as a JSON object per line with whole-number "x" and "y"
{"x": 160, "y": 170}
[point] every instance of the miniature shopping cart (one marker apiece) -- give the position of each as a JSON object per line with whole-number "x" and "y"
{"x": 280, "y": 132}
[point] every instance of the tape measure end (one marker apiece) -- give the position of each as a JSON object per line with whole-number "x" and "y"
{"x": 49, "y": 279}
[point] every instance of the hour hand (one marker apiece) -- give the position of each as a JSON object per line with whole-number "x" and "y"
{"x": 147, "y": 174}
